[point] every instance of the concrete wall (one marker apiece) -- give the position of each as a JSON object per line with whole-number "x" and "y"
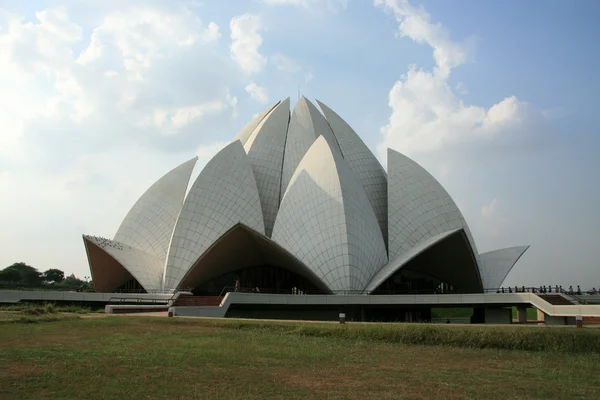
{"x": 16, "y": 296}
{"x": 556, "y": 320}
{"x": 490, "y": 301}
{"x": 498, "y": 315}
{"x": 190, "y": 311}
{"x": 315, "y": 314}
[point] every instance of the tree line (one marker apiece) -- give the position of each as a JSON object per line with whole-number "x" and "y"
{"x": 23, "y": 276}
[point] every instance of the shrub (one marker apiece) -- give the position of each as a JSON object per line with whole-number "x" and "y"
{"x": 49, "y": 308}
{"x": 32, "y": 311}
{"x": 46, "y": 308}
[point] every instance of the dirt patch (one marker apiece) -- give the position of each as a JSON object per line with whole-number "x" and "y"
{"x": 15, "y": 370}
{"x": 360, "y": 382}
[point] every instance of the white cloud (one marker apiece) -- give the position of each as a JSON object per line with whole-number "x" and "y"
{"x": 172, "y": 120}
{"x": 415, "y": 24}
{"x": 427, "y": 114}
{"x": 461, "y": 88}
{"x": 292, "y": 67}
{"x": 311, "y": 4}
{"x": 490, "y": 223}
{"x": 119, "y": 71}
{"x": 84, "y": 118}
{"x": 245, "y": 42}
{"x": 489, "y": 210}
{"x": 33, "y": 58}
{"x": 555, "y": 113}
{"x": 285, "y": 63}
{"x": 257, "y": 92}
{"x": 141, "y": 40}
{"x": 212, "y": 32}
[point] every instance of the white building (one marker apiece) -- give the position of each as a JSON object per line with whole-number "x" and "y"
{"x": 297, "y": 203}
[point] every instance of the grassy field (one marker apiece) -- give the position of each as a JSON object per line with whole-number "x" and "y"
{"x": 100, "y": 357}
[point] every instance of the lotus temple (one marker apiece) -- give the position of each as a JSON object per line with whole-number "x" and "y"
{"x": 297, "y": 204}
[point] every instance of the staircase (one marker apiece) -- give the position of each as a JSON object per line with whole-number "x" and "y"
{"x": 186, "y": 300}
{"x": 556, "y": 299}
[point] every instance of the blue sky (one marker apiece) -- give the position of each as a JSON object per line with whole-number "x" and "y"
{"x": 497, "y": 99}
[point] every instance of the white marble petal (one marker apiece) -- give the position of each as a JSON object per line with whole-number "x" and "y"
{"x": 146, "y": 268}
{"x": 149, "y": 224}
{"x": 418, "y": 206}
{"x": 495, "y": 265}
{"x": 363, "y": 163}
{"x": 265, "y": 148}
{"x": 326, "y": 221}
{"x": 247, "y": 130}
{"x": 223, "y": 195}
{"x": 306, "y": 125}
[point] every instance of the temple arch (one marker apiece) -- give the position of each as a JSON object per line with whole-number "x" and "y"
{"x": 446, "y": 258}
{"x": 240, "y": 249}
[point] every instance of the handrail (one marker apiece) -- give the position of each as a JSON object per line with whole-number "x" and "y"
{"x": 224, "y": 289}
{"x": 576, "y": 295}
{"x": 167, "y": 302}
{"x": 572, "y": 295}
{"x": 300, "y": 292}
{"x": 140, "y": 300}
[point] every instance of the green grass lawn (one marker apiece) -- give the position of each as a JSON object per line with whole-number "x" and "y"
{"x": 160, "y": 358}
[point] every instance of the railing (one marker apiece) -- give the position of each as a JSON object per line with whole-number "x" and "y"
{"x": 523, "y": 289}
{"x": 574, "y": 296}
{"x": 295, "y": 291}
{"x": 514, "y": 289}
{"x": 45, "y": 289}
{"x": 300, "y": 292}
{"x": 143, "y": 300}
{"x": 142, "y": 291}
{"x": 136, "y": 300}
{"x": 226, "y": 289}
{"x": 548, "y": 290}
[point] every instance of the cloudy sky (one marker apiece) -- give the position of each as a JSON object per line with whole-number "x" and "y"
{"x": 498, "y": 100}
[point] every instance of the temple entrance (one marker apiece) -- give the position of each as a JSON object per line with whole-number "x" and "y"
{"x": 259, "y": 279}
{"x": 448, "y": 266}
{"x": 131, "y": 286}
{"x": 254, "y": 260}
{"x": 411, "y": 282}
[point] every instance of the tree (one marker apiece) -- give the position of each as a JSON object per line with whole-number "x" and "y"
{"x": 10, "y": 275}
{"x": 54, "y": 275}
{"x": 29, "y": 276}
{"x": 72, "y": 281}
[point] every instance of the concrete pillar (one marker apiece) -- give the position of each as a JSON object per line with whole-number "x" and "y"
{"x": 522, "y": 314}
{"x": 541, "y": 315}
